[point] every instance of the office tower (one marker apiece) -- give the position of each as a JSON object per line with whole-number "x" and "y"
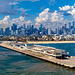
{"x": 69, "y": 26}
{"x": 73, "y": 31}
{"x": 49, "y": 31}
{"x": 28, "y": 26}
{"x": 44, "y": 31}
{"x": 1, "y": 31}
{"x": 65, "y": 26}
{"x": 32, "y": 29}
{"x": 12, "y": 33}
{"x": 16, "y": 32}
{"x": 7, "y": 31}
{"x": 32, "y": 26}
{"x": 14, "y": 28}
{"x": 23, "y": 32}
{"x": 40, "y": 28}
{"x": 64, "y": 32}
{"x": 73, "y": 27}
{"x": 24, "y": 26}
{"x": 57, "y": 30}
{"x": 73, "y": 24}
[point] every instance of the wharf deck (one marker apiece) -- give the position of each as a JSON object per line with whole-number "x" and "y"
{"x": 70, "y": 62}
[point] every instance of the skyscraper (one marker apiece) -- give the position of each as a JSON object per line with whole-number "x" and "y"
{"x": 32, "y": 26}
{"x": 49, "y": 31}
{"x": 7, "y": 31}
{"x": 69, "y": 26}
{"x": 28, "y": 26}
{"x": 65, "y": 26}
{"x": 14, "y": 28}
{"x": 24, "y": 26}
{"x": 57, "y": 30}
{"x": 32, "y": 29}
{"x": 73, "y": 25}
{"x": 1, "y": 31}
{"x": 40, "y": 27}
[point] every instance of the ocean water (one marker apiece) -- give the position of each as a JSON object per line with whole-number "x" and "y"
{"x": 13, "y": 63}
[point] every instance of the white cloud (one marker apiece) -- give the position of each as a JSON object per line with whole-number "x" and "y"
{"x": 6, "y": 18}
{"x": 22, "y": 9}
{"x": 69, "y": 9}
{"x": 72, "y": 12}
{"x": 52, "y": 2}
{"x": 23, "y": 12}
{"x": 17, "y": 20}
{"x": 28, "y": 22}
{"x": 20, "y": 21}
{"x": 65, "y": 8}
{"x": 14, "y": 3}
{"x": 49, "y": 18}
{"x": 7, "y": 21}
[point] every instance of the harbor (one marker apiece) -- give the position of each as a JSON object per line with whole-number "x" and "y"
{"x": 34, "y": 52}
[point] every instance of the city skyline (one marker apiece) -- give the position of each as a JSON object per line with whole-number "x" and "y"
{"x": 50, "y": 13}
{"x": 30, "y": 30}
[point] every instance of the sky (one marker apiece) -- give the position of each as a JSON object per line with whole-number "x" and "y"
{"x": 50, "y": 13}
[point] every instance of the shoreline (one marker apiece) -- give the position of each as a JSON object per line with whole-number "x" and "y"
{"x": 42, "y": 42}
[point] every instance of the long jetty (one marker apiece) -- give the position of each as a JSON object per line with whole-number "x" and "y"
{"x": 69, "y": 62}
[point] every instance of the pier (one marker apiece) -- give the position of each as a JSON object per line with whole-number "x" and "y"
{"x": 68, "y": 62}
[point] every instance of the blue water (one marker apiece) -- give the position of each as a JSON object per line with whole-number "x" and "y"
{"x": 13, "y": 63}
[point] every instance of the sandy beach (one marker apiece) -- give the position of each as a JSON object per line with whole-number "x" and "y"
{"x": 41, "y": 42}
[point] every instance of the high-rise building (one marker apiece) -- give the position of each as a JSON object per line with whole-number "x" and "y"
{"x": 14, "y": 28}
{"x": 12, "y": 33}
{"x": 69, "y": 26}
{"x": 24, "y": 26}
{"x": 73, "y": 25}
{"x": 57, "y": 30}
{"x": 1, "y": 31}
{"x": 40, "y": 28}
{"x": 28, "y": 26}
{"x": 65, "y": 26}
{"x": 32, "y": 26}
{"x": 7, "y": 31}
{"x": 32, "y": 29}
{"x": 49, "y": 31}
{"x": 64, "y": 32}
{"x": 16, "y": 32}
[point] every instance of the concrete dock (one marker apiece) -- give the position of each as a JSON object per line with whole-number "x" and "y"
{"x": 69, "y": 62}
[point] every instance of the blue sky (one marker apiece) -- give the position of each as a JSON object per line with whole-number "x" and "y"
{"x": 50, "y": 13}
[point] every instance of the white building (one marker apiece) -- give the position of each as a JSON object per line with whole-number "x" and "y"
{"x": 49, "y": 31}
